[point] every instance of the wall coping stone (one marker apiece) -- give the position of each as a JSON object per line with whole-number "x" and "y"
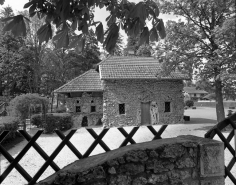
{"x": 188, "y": 141}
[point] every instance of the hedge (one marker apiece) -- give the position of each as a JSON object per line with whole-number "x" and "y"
{"x": 9, "y": 123}
{"x": 189, "y": 103}
{"x": 60, "y": 121}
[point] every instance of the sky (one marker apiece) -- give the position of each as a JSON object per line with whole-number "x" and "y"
{"x": 100, "y": 14}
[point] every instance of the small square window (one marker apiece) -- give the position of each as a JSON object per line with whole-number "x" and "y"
{"x": 167, "y": 106}
{"x": 77, "y": 109}
{"x": 93, "y": 108}
{"x": 77, "y": 101}
{"x": 92, "y": 101}
{"x": 122, "y": 108}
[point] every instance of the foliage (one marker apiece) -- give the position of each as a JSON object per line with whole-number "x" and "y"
{"x": 189, "y": 103}
{"x": 60, "y": 109}
{"x": 60, "y": 121}
{"x": 70, "y": 16}
{"x": 203, "y": 38}
{"x": 211, "y": 96}
{"x": 133, "y": 44}
{"x": 61, "y": 65}
{"x": 118, "y": 49}
{"x": 36, "y": 120}
{"x": 28, "y": 66}
{"x": 206, "y": 85}
{"x": 195, "y": 99}
{"x": 144, "y": 50}
{"x": 20, "y": 106}
{"x": 16, "y": 62}
{"x": 186, "y": 96}
{"x": 11, "y": 124}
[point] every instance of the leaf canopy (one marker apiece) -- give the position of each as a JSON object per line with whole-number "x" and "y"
{"x": 16, "y": 24}
{"x": 79, "y": 16}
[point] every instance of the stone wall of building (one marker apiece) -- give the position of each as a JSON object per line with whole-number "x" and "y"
{"x": 133, "y": 92}
{"x": 82, "y": 106}
{"x": 185, "y": 160}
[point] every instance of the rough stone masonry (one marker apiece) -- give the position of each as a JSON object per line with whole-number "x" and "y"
{"x": 184, "y": 160}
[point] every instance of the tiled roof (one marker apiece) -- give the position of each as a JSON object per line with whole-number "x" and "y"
{"x": 89, "y": 81}
{"x": 193, "y": 90}
{"x": 133, "y": 67}
{"x": 129, "y": 60}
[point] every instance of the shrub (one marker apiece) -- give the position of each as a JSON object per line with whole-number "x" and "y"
{"x": 60, "y": 121}
{"x": 36, "y": 120}
{"x": 20, "y": 105}
{"x": 11, "y": 124}
{"x": 189, "y": 103}
{"x": 195, "y": 99}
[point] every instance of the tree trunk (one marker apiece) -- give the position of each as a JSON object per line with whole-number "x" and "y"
{"x": 220, "y": 112}
{"x": 1, "y": 89}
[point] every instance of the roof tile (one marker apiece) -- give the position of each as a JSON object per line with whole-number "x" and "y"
{"x": 133, "y": 67}
{"x": 89, "y": 81}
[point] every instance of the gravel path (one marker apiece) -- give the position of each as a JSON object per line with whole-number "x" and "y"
{"x": 32, "y": 161}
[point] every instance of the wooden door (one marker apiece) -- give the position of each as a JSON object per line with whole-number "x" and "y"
{"x": 145, "y": 113}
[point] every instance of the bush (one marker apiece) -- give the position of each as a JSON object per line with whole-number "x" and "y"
{"x": 20, "y": 105}
{"x": 11, "y": 124}
{"x": 195, "y": 99}
{"x": 189, "y": 103}
{"x": 36, "y": 120}
{"x": 60, "y": 121}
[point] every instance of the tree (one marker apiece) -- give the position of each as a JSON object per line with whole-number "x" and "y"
{"x": 133, "y": 44}
{"x": 62, "y": 65}
{"x": 206, "y": 85}
{"x": 22, "y": 74}
{"x": 204, "y": 38}
{"x": 118, "y": 49}
{"x": 73, "y": 15}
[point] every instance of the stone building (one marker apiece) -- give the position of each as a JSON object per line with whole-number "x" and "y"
{"x": 126, "y": 91}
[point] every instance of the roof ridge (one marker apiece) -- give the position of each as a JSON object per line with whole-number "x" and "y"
{"x": 104, "y": 60}
{"x": 74, "y": 79}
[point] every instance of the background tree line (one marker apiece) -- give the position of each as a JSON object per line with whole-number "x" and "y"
{"x": 28, "y": 66}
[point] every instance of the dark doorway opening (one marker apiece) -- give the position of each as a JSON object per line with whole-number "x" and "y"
{"x": 84, "y": 121}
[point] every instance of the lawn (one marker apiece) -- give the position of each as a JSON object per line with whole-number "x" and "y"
{"x": 202, "y": 119}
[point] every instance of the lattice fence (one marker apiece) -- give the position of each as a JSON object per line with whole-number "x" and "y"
{"x": 227, "y": 124}
{"x": 14, "y": 162}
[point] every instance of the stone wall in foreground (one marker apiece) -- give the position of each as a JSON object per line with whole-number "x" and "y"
{"x": 185, "y": 160}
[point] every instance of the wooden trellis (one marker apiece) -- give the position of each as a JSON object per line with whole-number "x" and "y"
{"x": 217, "y": 130}
{"x": 14, "y": 162}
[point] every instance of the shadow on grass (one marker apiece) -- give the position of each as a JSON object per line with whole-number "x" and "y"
{"x": 12, "y": 143}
